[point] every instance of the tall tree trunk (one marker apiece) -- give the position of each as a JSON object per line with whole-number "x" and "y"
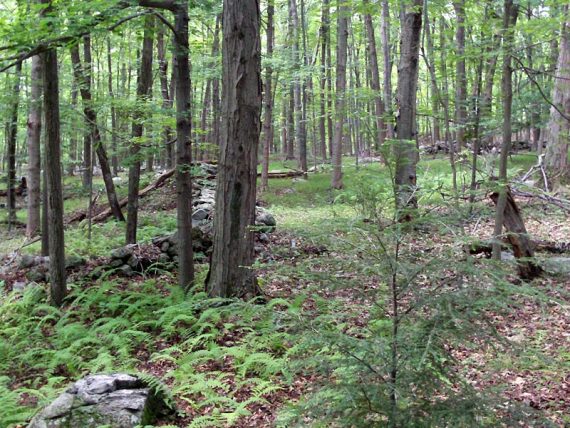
{"x": 405, "y": 152}
{"x": 164, "y": 91}
{"x": 290, "y": 155}
{"x": 231, "y": 272}
{"x": 82, "y": 81}
{"x": 183, "y": 148}
{"x": 204, "y": 119}
{"x": 34, "y": 152}
{"x": 12, "y": 127}
{"x": 375, "y": 79}
{"x": 87, "y": 137}
{"x": 386, "y": 48}
{"x": 509, "y": 20}
{"x": 559, "y": 126}
{"x": 216, "y": 88}
{"x": 430, "y": 57}
{"x": 300, "y": 131}
{"x": 114, "y": 159}
{"x": 445, "y": 104}
{"x": 144, "y": 83}
{"x": 461, "y": 79}
{"x": 268, "y": 100}
{"x": 53, "y": 172}
{"x": 73, "y": 132}
{"x": 325, "y": 38}
{"x": 341, "y": 56}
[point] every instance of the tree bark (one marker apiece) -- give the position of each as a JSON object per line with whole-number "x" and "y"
{"x": 341, "y": 57}
{"x": 460, "y": 74}
{"x": 144, "y": 83}
{"x": 231, "y": 272}
{"x": 12, "y": 128}
{"x": 325, "y": 38}
{"x": 114, "y": 130}
{"x": 386, "y": 47}
{"x": 164, "y": 91}
{"x": 559, "y": 127}
{"x": 53, "y": 172}
{"x": 268, "y": 100}
{"x": 34, "y": 152}
{"x": 375, "y": 80}
{"x": 405, "y": 152}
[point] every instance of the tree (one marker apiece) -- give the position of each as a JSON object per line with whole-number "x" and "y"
{"x": 461, "y": 78}
{"x": 559, "y": 124}
{"x": 231, "y": 273}
{"x": 34, "y": 157}
{"x": 510, "y": 13}
{"x": 12, "y": 127}
{"x": 268, "y": 98}
{"x": 405, "y": 149}
{"x": 50, "y": 76}
{"x": 143, "y": 92}
{"x": 82, "y": 79}
{"x": 342, "y": 48}
{"x": 375, "y": 79}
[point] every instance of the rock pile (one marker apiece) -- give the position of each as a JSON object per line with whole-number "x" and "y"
{"x": 116, "y": 400}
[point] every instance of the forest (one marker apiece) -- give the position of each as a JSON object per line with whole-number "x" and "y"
{"x": 284, "y": 213}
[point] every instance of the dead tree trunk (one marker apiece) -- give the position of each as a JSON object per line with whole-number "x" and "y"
{"x": 518, "y": 237}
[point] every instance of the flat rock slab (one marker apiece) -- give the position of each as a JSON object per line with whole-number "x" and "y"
{"x": 117, "y": 400}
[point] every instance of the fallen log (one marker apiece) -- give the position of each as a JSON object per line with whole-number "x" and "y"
{"x": 284, "y": 174}
{"x": 106, "y": 213}
{"x": 103, "y": 215}
{"x": 540, "y": 246}
{"x": 518, "y": 237}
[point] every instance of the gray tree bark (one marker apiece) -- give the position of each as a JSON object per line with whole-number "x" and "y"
{"x": 559, "y": 127}
{"x": 144, "y": 83}
{"x": 34, "y": 152}
{"x": 405, "y": 152}
{"x": 54, "y": 187}
{"x": 231, "y": 272}
{"x": 340, "y": 113}
{"x": 268, "y": 100}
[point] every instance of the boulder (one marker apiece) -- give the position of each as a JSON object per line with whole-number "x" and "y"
{"x": 265, "y": 220}
{"x": 557, "y": 265}
{"x": 116, "y": 400}
{"x": 200, "y": 214}
{"x": 123, "y": 253}
{"x": 73, "y": 262}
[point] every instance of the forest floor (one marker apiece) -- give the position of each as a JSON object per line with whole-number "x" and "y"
{"x": 243, "y": 364}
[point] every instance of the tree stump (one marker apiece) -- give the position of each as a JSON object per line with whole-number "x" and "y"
{"x": 517, "y": 235}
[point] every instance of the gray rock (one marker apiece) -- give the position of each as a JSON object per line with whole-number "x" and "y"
{"x": 73, "y": 262}
{"x": 115, "y": 263}
{"x": 164, "y": 247}
{"x": 263, "y": 238}
{"x": 28, "y": 261}
{"x": 134, "y": 262}
{"x": 37, "y": 275}
{"x": 19, "y": 286}
{"x": 163, "y": 258}
{"x": 265, "y": 220}
{"x": 126, "y": 270}
{"x": 116, "y": 400}
{"x": 200, "y": 214}
{"x": 557, "y": 265}
{"x": 122, "y": 253}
